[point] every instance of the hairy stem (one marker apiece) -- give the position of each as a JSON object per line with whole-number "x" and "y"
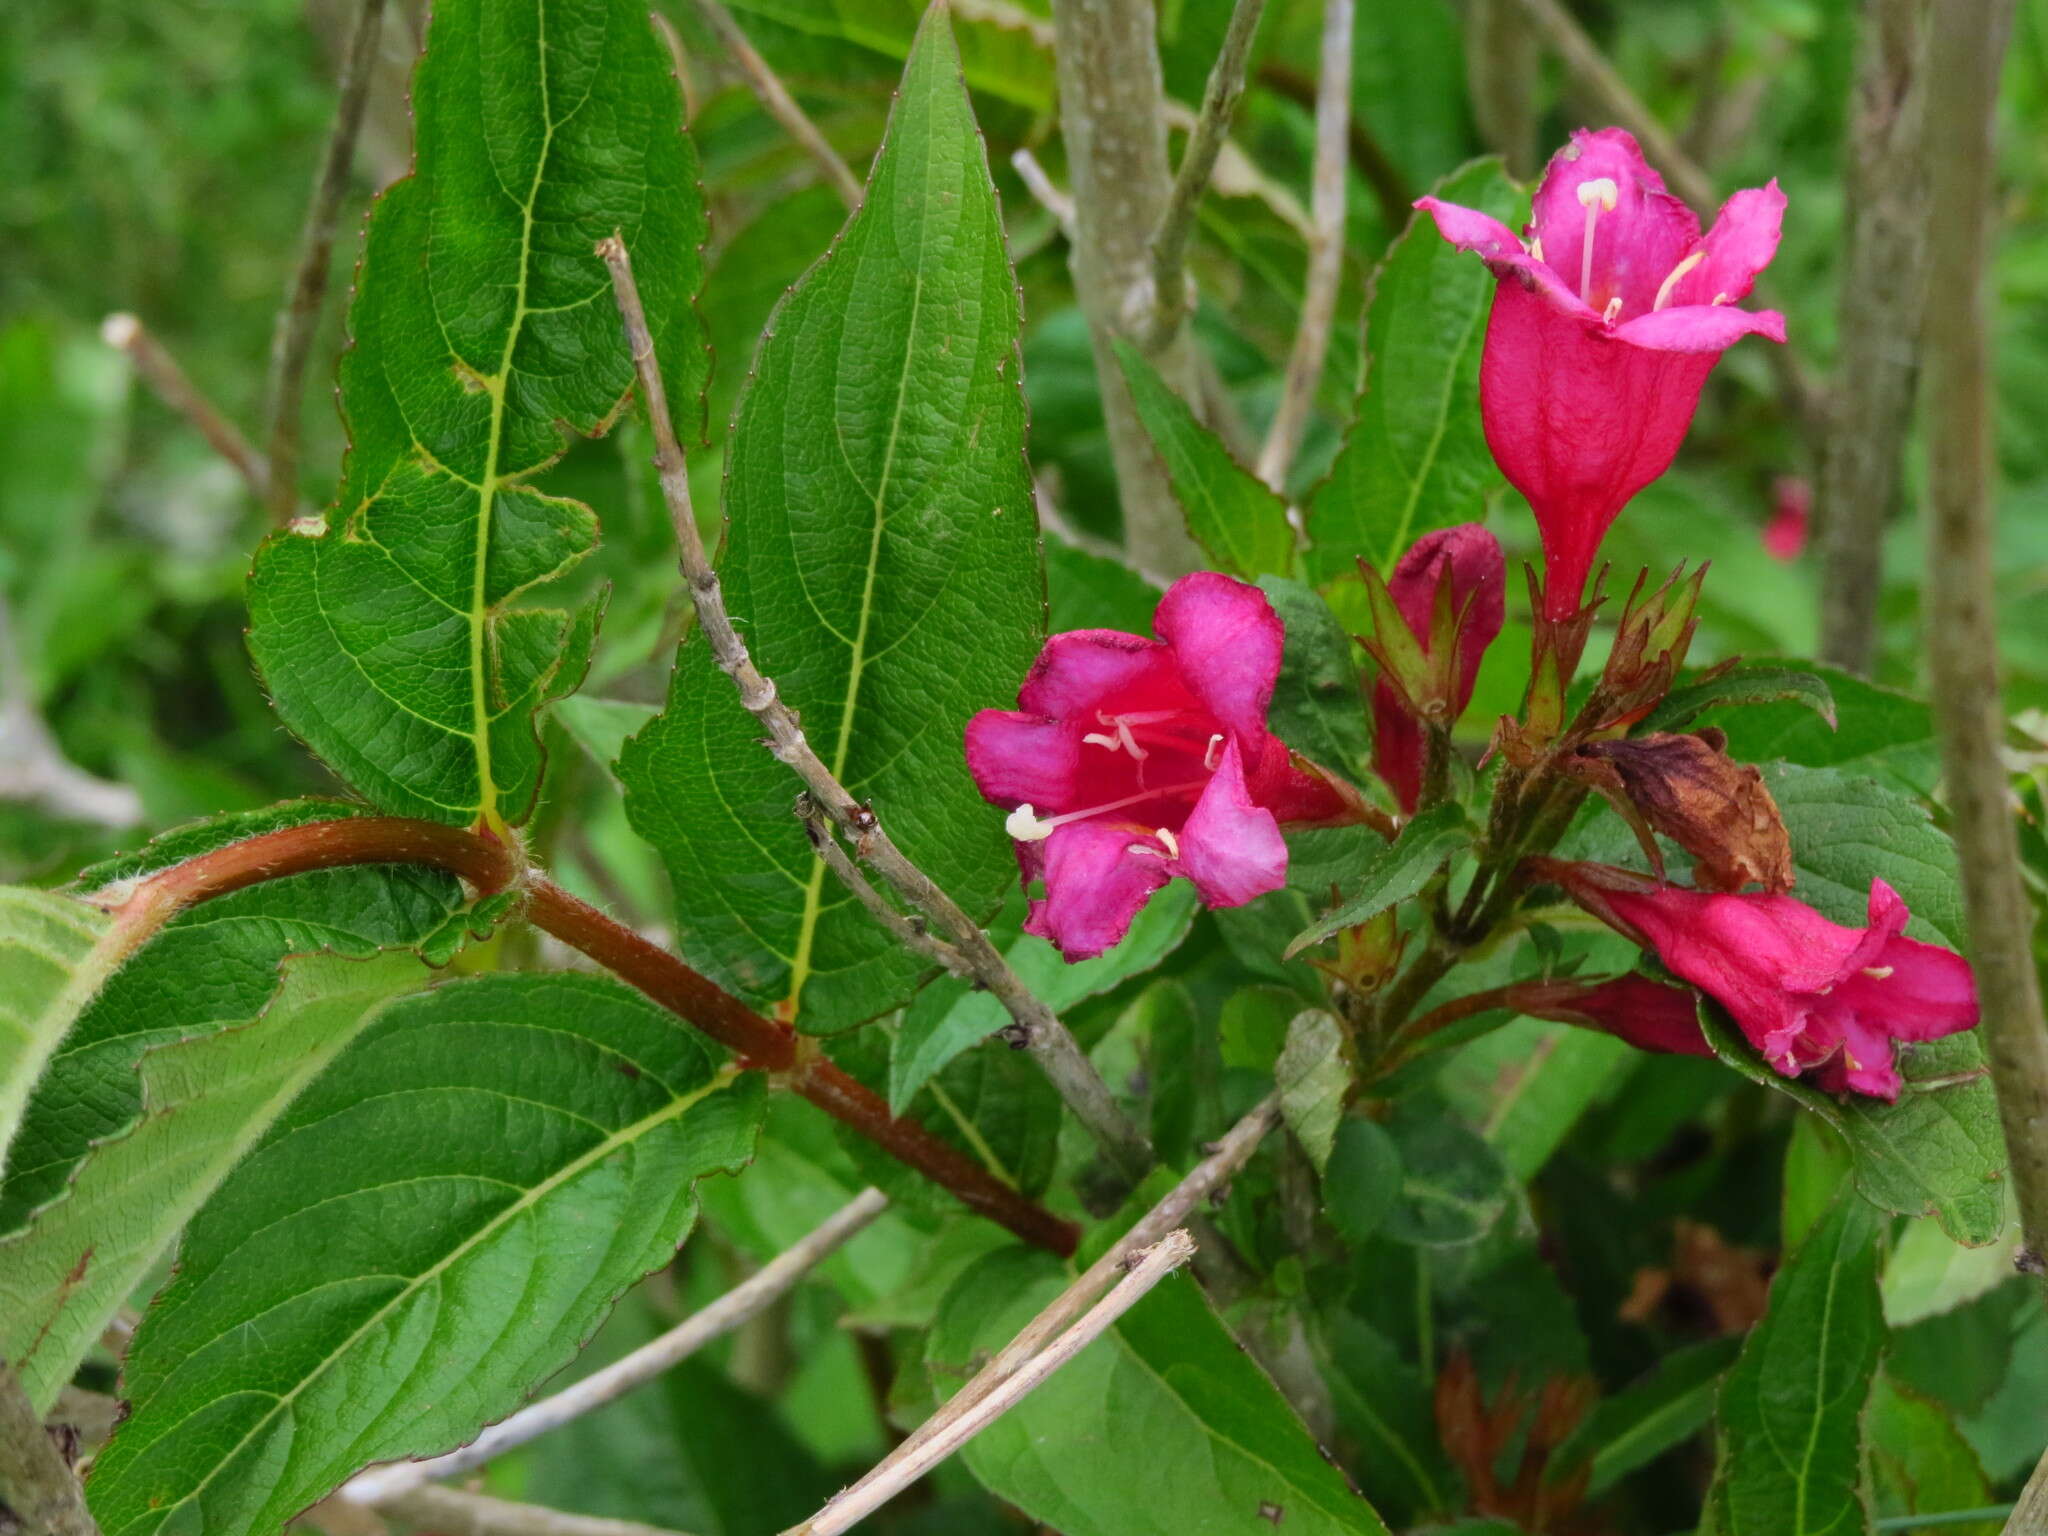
{"x": 1197, "y": 164}
{"x": 1113, "y": 120}
{"x": 1964, "y": 55}
{"x": 291, "y": 341}
{"x": 1325, "y": 250}
{"x": 1036, "y": 1028}
{"x": 1884, "y": 279}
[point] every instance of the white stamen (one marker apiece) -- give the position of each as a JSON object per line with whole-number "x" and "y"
{"x": 1123, "y": 734}
{"x": 1165, "y": 835}
{"x": 1598, "y": 196}
{"x": 1877, "y": 972}
{"x": 1211, "y": 753}
{"x": 1536, "y": 248}
{"x": 1098, "y": 739}
{"x": 1720, "y": 298}
{"x": 1671, "y": 281}
{"x": 1613, "y": 309}
{"x": 1023, "y": 824}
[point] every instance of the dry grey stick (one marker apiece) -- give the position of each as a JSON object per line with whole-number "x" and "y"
{"x": 35, "y": 1483}
{"x": 1503, "y": 66}
{"x": 908, "y": 929}
{"x": 1036, "y": 1028}
{"x": 1325, "y": 249}
{"x": 1964, "y": 54}
{"x": 33, "y": 768}
{"x": 454, "y": 1513}
{"x": 1041, "y": 186}
{"x": 380, "y": 1486}
{"x": 160, "y": 371}
{"x": 1205, "y": 1179}
{"x": 1884, "y": 283}
{"x": 779, "y": 104}
{"x": 956, "y": 1423}
{"x": 1113, "y": 120}
{"x": 291, "y": 341}
{"x": 1170, "y": 295}
{"x": 2029, "y": 1516}
{"x": 1602, "y": 84}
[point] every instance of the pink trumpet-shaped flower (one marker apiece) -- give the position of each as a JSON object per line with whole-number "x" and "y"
{"x": 1604, "y": 328}
{"x": 1466, "y": 560}
{"x": 1807, "y": 993}
{"x": 1649, "y": 1015}
{"x": 1130, "y": 761}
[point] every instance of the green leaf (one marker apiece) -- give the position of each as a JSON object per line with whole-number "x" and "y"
{"x": 1549, "y": 1076}
{"x": 1240, "y": 524}
{"x": 601, "y": 726}
{"x": 883, "y": 565}
{"x": 46, "y": 944}
{"x": 1930, "y": 1273}
{"x": 175, "y": 1068}
{"x": 1362, "y": 1179}
{"x": 1415, "y": 458}
{"x": 1090, "y": 591}
{"x": 1636, "y": 1426}
{"x": 1936, "y": 1152}
{"x": 1847, "y": 830}
{"x": 485, "y": 337}
{"x": 1879, "y": 731}
{"x": 1318, "y": 704}
{"x": 426, "y": 1235}
{"x": 1790, "y": 1411}
{"x": 1221, "y": 1453}
{"x": 1453, "y": 1184}
{"x": 1387, "y": 1412}
{"x": 1920, "y": 1464}
{"x": 1744, "y": 686}
{"x": 1313, "y": 1076}
{"x": 1007, "y": 52}
{"x": 950, "y": 1016}
{"x": 1397, "y": 871}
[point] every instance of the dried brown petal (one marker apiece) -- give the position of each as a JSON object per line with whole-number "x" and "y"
{"x": 1688, "y": 788}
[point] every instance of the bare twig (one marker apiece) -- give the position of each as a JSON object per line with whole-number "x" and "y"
{"x": 1602, "y": 85}
{"x": 679, "y": 64}
{"x": 2030, "y": 1515}
{"x": 291, "y": 341}
{"x": 450, "y": 1512}
{"x": 35, "y": 1483}
{"x": 1036, "y": 1027}
{"x": 1884, "y": 280}
{"x": 380, "y": 1486}
{"x": 1390, "y": 188}
{"x": 1178, "y": 1207}
{"x": 957, "y": 1423}
{"x": 779, "y": 104}
{"x": 1965, "y": 51}
{"x": 1197, "y": 163}
{"x": 908, "y": 929}
{"x": 1502, "y": 69}
{"x": 1041, "y": 186}
{"x": 1113, "y": 120}
{"x": 1325, "y": 249}
{"x": 160, "y": 371}
{"x": 33, "y": 768}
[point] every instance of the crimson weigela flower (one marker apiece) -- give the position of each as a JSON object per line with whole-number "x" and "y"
{"x": 1604, "y": 328}
{"x": 1809, "y": 994}
{"x": 1130, "y": 761}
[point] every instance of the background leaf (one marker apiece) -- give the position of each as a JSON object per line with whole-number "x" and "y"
{"x": 423, "y": 1238}
{"x": 1395, "y": 872}
{"x": 1312, "y": 1076}
{"x": 1222, "y": 1451}
{"x": 1415, "y": 458}
{"x": 44, "y": 939}
{"x": 883, "y": 564}
{"x": 485, "y": 337}
{"x": 1791, "y": 1410}
{"x": 1240, "y": 524}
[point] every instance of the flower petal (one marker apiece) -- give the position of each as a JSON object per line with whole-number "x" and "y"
{"x": 1470, "y": 230}
{"x": 1868, "y": 1060}
{"x": 1097, "y": 875}
{"x": 1020, "y": 759}
{"x": 1635, "y": 244}
{"x": 1227, "y": 640}
{"x": 1082, "y": 669}
{"x": 1231, "y": 847}
{"x": 1700, "y": 328}
{"x": 1740, "y": 245}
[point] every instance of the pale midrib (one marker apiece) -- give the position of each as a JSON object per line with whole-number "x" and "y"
{"x": 1820, "y": 1377}
{"x": 814, "y": 890}
{"x": 487, "y": 487}
{"x": 625, "y": 1137}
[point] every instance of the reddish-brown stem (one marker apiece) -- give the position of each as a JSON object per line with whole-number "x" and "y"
{"x": 489, "y": 866}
